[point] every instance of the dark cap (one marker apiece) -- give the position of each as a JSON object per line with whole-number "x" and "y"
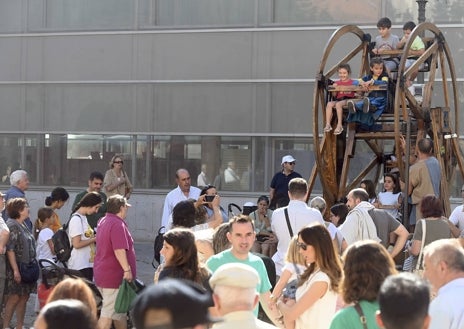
{"x": 187, "y": 302}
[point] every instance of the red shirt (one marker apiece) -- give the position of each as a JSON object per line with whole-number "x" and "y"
{"x": 345, "y": 94}
{"x": 112, "y": 234}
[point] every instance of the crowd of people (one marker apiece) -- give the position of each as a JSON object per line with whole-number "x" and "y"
{"x": 298, "y": 265}
{"x": 332, "y": 267}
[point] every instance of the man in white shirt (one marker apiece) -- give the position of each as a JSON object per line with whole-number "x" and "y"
{"x": 444, "y": 268}
{"x": 299, "y": 215}
{"x": 183, "y": 191}
{"x": 202, "y": 179}
{"x": 457, "y": 216}
{"x": 358, "y": 224}
{"x": 230, "y": 176}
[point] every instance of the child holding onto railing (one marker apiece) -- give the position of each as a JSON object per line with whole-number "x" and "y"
{"x": 386, "y": 41}
{"x": 341, "y": 97}
{"x": 366, "y": 111}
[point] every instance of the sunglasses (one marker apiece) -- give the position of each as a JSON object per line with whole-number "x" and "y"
{"x": 121, "y": 162}
{"x": 291, "y": 163}
{"x": 302, "y": 245}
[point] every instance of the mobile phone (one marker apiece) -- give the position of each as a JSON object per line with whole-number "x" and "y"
{"x": 209, "y": 198}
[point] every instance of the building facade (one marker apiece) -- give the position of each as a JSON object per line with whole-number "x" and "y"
{"x": 173, "y": 83}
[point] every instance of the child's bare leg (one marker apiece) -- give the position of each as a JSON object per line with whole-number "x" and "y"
{"x": 329, "y": 113}
{"x": 339, "y": 109}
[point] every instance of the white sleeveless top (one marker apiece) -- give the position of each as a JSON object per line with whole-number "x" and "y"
{"x": 320, "y": 314}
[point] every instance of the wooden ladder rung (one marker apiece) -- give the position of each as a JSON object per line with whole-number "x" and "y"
{"x": 376, "y": 135}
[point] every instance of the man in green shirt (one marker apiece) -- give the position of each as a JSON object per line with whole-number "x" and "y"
{"x": 241, "y": 236}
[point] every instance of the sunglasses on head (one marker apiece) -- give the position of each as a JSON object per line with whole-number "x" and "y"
{"x": 302, "y": 245}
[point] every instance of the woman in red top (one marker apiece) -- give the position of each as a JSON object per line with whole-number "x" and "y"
{"x": 344, "y": 71}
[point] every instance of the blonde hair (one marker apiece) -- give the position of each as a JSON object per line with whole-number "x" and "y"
{"x": 293, "y": 255}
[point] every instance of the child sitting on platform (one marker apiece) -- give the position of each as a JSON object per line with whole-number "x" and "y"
{"x": 344, "y": 71}
{"x": 386, "y": 41}
{"x": 416, "y": 50}
{"x": 366, "y": 111}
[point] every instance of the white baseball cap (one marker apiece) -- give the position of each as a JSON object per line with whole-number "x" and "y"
{"x": 287, "y": 158}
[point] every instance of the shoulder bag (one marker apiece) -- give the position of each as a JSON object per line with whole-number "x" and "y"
{"x": 408, "y": 265}
{"x": 27, "y": 264}
{"x": 360, "y": 312}
{"x": 419, "y": 269}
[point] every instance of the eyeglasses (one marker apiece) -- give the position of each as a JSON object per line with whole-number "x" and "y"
{"x": 291, "y": 163}
{"x": 121, "y": 162}
{"x": 302, "y": 245}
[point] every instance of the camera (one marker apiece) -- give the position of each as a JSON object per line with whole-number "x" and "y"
{"x": 209, "y": 198}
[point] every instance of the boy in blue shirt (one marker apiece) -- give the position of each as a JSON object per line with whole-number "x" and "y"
{"x": 366, "y": 111}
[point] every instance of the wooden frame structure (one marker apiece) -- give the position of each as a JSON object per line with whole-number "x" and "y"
{"x": 406, "y": 116}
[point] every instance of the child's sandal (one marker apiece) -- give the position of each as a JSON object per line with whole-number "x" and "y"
{"x": 338, "y": 131}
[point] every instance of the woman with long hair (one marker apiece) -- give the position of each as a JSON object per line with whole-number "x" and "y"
{"x": 316, "y": 295}
{"x": 55, "y": 201}
{"x": 82, "y": 236}
{"x": 181, "y": 259}
{"x": 20, "y": 249}
{"x": 366, "y": 265}
{"x": 116, "y": 180}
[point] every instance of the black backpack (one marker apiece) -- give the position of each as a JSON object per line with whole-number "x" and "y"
{"x": 157, "y": 246}
{"x": 61, "y": 244}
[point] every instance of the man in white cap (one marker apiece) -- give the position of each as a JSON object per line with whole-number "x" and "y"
{"x": 278, "y": 194}
{"x": 235, "y": 296}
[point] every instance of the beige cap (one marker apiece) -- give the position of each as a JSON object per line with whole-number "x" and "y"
{"x": 235, "y": 275}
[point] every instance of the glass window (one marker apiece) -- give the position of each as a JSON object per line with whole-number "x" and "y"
{"x": 80, "y": 14}
{"x": 197, "y": 12}
{"x": 314, "y": 12}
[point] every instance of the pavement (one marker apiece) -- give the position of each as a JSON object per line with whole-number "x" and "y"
{"x": 145, "y": 272}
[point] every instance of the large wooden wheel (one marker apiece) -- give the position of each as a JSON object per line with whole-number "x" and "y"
{"x": 435, "y": 115}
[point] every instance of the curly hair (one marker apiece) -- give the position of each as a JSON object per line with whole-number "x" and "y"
{"x": 184, "y": 263}
{"x": 327, "y": 258}
{"x": 366, "y": 265}
{"x": 14, "y": 207}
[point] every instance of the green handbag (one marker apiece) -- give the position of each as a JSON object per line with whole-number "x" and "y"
{"x": 126, "y": 294}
